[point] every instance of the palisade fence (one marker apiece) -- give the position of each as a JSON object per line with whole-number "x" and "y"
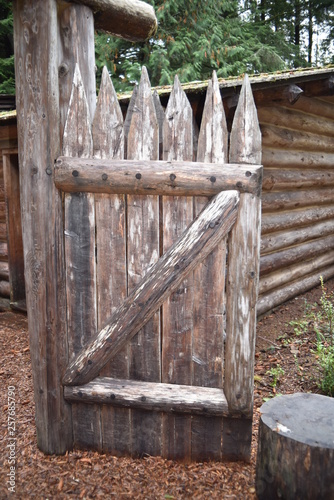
{"x": 162, "y": 238}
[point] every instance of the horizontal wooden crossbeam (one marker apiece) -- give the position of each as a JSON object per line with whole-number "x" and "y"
{"x": 164, "y": 278}
{"x": 130, "y": 19}
{"x": 170, "y": 398}
{"x": 155, "y": 177}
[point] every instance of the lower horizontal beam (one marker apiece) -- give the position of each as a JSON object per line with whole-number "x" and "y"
{"x": 170, "y": 398}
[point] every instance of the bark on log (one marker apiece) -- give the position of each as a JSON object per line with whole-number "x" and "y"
{"x": 276, "y": 297}
{"x": 162, "y": 280}
{"x": 129, "y": 19}
{"x": 296, "y": 448}
{"x": 150, "y": 396}
{"x": 154, "y": 177}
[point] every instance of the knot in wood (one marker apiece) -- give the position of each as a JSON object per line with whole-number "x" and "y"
{"x": 172, "y": 177}
{"x": 75, "y": 173}
{"x": 138, "y": 176}
{"x": 104, "y": 177}
{"x": 63, "y": 70}
{"x": 213, "y": 178}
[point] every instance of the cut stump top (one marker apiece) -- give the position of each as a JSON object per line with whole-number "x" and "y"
{"x": 306, "y": 418}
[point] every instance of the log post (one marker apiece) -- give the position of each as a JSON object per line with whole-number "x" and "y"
{"x": 37, "y": 98}
{"x": 296, "y": 448}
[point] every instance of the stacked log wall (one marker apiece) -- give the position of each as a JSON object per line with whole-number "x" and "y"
{"x": 297, "y": 236}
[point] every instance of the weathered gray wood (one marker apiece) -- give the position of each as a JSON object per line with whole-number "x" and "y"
{"x": 293, "y": 219}
{"x": 3, "y": 250}
{"x": 80, "y": 257}
{"x": 130, "y": 19}
{"x": 158, "y": 177}
{"x": 298, "y": 427}
{"x": 290, "y": 273}
{"x": 177, "y": 214}
{"x": 128, "y": 117}
{"x": 143, "y": 248}
{"x": 36, "y": 69}
{"x": 296, "y": 159}
{"x": 110, "y": 217}
{"x": 161, "y": 281}
{"x": 280, "y": 179}
{"x": 294, "y": 119}
{"x": 273, "y": 298}
{"x": 279, "y": 137}
{"x": 284, "y": 239}
{"x": 278, "y": 260}
{"x": 245, "y": 140}
{"x": 272, "y": 202}
{"x": 13, "y": 227}
{"x": 76, "y": 46}
{"x": 243, "y": 266}
{"x": 4, "y": 289}
{"x": 209, "y": 296}
{"x": 148, "y": 396}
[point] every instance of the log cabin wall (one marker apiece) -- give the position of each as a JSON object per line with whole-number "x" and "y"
{"x": 297, "y": 237}
{"x": 296, "y": 115}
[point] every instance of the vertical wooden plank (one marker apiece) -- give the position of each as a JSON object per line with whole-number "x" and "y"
{"x": 243, "y": 272}
{"x": 111, "y": 270}
{"x": 178, "y": 309}
{"x": 76, "y": 45}
{"x": 80, "y": 258}
{"x": 128, "y": 118}
{"x": 160, "y": 112}
{"x": 209, "y": 291}
{"x": 36, "y": 70}
{"x": 143, "y": 252}
{"x": 14, "y": 227}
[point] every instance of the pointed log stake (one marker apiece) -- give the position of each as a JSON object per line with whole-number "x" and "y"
{"x": 161, "y": 281}
{"x": 245, "y": 142}
{"x": 243, "y": 265}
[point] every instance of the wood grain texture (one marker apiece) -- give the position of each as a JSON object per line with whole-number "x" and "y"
{"x": 154, "y": 177}
{"x": 36, "y": 69}
{"x": 243, "y": 273}
{"x": 209, "y": 293}
{"x": 130, "y": 19}
{"x": 159, "y": 283}
{"x": 151, "y": 397}
{"x": 177, "y": 311}
{"x": 110, "y": 217}
{"x": 272, "y": 222}
{"x": 79, "y": 216}
{"x": 289, "y": 274}
{"x": 273, "y": 298}
{"x": 143, "y": 251}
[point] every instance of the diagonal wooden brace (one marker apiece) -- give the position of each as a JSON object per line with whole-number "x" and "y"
{"x": 164, "y": 278}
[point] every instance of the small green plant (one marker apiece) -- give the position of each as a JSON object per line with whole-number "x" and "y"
{"x": 324, "y": 328}
{"x": 300, "y": 327}
{"x": 275, "y": 373}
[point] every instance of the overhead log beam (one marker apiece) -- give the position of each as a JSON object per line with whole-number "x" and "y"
{"x": 129, "y": 19}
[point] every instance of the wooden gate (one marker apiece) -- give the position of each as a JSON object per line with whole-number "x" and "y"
{"x": 161, "y": 236}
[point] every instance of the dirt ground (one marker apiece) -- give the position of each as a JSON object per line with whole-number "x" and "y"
{"x": 280, "y": 350}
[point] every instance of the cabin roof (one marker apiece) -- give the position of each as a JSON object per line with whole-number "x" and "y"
{"x": 309, "y": 79}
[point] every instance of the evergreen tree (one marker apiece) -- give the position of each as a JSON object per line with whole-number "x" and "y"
{"x": 7, "y": 75}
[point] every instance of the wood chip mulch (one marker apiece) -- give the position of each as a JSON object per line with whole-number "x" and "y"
{"x": 86, "y": 474}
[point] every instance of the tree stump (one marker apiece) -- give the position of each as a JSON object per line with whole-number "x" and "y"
{"x": 296, "y": 448}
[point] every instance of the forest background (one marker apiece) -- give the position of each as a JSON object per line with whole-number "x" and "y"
{"x": 195, "y": 37}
